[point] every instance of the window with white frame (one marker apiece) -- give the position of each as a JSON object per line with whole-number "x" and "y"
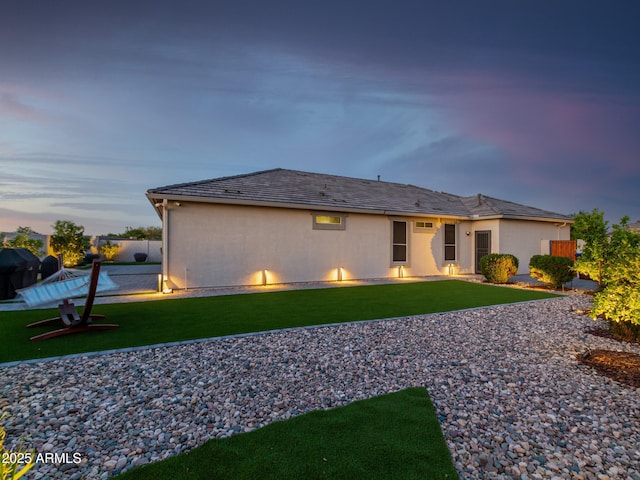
{"x": 421, "y": 226}
{"x": 329, "y": 221}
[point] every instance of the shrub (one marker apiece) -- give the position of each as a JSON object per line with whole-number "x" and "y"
{"x": 109, "y": 251}
{"x": 498, "y": 267}
{"x": 620, "y": 299}
{"x": 613, "y": 259}
{"x": 551, "y": 270}
{"x": 619, "y": 303}
{"x": 15, "y": 463}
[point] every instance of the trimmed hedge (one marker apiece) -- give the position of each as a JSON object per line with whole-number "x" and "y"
{"x": 498, "y": 267}
{"x": 551, "y": 270}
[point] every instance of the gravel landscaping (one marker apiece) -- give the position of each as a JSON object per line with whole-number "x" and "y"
{"x": 512, "y": 399}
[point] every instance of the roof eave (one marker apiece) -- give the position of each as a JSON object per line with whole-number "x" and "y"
{"x": 154, "y": 197}
{"x": 526, "y": 217}
{"x": 450, "y": 216}
{"x": 154, "y": 202}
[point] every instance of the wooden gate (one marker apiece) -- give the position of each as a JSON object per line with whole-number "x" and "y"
{"x": 564, "y": 248}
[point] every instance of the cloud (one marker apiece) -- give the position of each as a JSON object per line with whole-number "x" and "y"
{"x": 519, "y": 101}
{"x": 42, "y": 221}
{"x": 454, "y": 164}
{"x": 12, "y": 106}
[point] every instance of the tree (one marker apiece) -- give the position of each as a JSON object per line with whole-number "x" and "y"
{"x": 603, "y": 252}
{"x": 619, "y": 301}
{"x": 146, "y": 233}
{"x": 592, "y": 228}
{"x": 68, "y": 239}
{"x": 22, "y": 240}
{"x": 614, "y": 260}
{"x": 141, "y": 233}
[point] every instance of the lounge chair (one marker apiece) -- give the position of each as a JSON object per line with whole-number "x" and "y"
{"x": 72, "y": 321}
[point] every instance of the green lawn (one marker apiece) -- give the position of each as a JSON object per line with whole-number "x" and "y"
{"x": 392, "y": 436}
{"x": 148, "y": 323}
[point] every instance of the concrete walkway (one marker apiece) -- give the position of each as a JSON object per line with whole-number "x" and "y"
{"x": 576, "y": 284}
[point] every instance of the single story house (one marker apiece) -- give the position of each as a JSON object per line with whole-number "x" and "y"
{"x": 285, "y": 226}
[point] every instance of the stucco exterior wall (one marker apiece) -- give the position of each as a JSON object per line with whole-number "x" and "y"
{"x": 525, "y": 239}
{"x": 522, "y": 238}
{"x": 221, "y": 245}
{"x": 426, "y": 248}
{"x": 208, "y": 245}
{"x": 465, "y": 248}
{"x": 492, "y": 226}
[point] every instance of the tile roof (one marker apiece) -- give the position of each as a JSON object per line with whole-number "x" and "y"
{"x": 291, "y": 188}
{"x": 484, "y": 206}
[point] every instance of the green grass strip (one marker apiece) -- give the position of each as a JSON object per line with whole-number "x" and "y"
{"x": 154, "y": 322}
{"x": 391, "y": 436}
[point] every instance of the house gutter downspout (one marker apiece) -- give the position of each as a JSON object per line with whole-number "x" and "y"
{"x": 559, "y": 227}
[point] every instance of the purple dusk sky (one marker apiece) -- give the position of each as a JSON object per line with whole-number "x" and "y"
{"x": 535, "y": 102}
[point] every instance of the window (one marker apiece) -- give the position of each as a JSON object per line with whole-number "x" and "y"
{"x": 449, "y": 242}
{"x": 399, "y": 242}
{"x": 325, "y": 221}
{"x": 424, "y": 224}
{"x": 420, "y": 226}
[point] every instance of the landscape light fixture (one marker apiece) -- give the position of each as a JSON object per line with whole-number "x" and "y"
{"x": 165, "y": 287}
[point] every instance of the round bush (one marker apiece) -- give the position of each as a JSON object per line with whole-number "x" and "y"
{"x": 498, "y": 267}
{"x": 552, "y": 270}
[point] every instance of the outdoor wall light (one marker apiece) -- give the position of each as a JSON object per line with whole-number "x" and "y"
{"x": 467, "y": 233}
{"x": 401, "y": 271}
{"x": 265, "y": 277}
{"x": 340, "y": 274}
